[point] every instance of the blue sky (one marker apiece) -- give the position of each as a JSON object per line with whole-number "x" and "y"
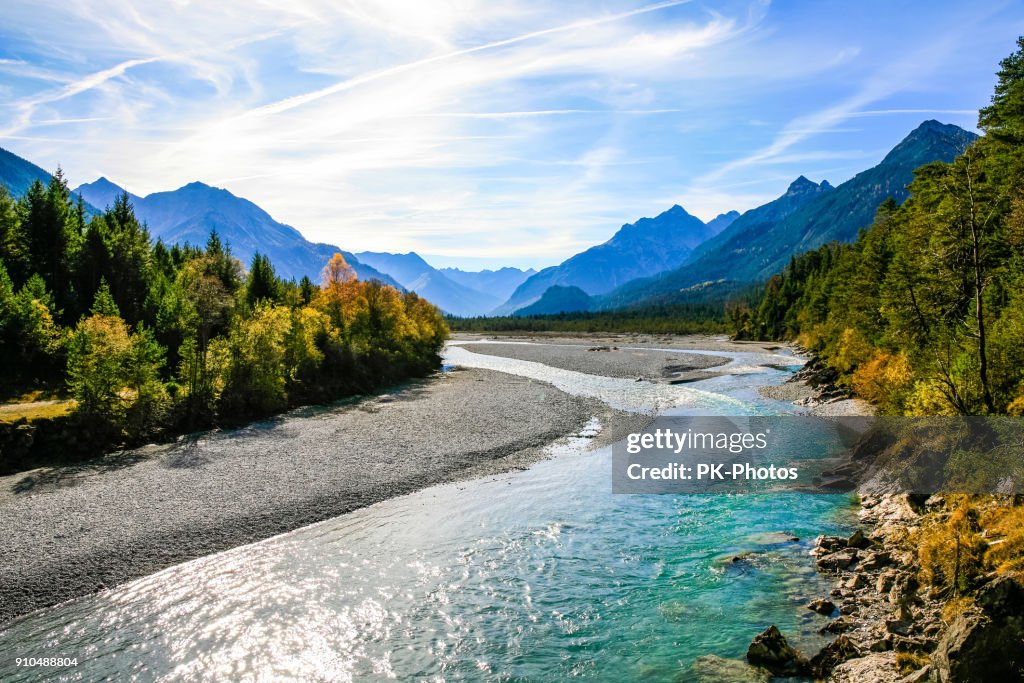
{"x": 483, "y": 133}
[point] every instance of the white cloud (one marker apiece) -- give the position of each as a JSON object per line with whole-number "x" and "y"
{"x": 460, "y": 127}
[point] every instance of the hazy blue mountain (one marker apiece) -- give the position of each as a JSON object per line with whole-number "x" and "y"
{"x": 18, "y": 174}
{"x": 761, "y": 241}
{"x": 762, "y": 218}
{"x": 641, "y": 249}
{"x": 558, "y": 299}
{"x": 418, "y": 276}
{"x": 499, "y": 283}
{"x": 101, "y": 193}
{"x": 189, "y": 213}
{"x": 721, "y": 222}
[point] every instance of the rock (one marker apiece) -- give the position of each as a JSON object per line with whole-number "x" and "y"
{"x": 840, "y": 559}
{"x": 984, "y": 642}
{"x": 897, "y": 626}
{"x": 881, "y": 645}
{"x": 1002, "y": 598}
{"x": 875, "y": 560}
{"x": 832, "y": 655}
{"x": 840, "y": 625}
{"x": 822, "y": 607}
{"x": 770, "y": 651}
{"x": 713, "y": 669}
{"x": 824, "y": 545}
{"x": 904, "y": 644}
{"x": 857, "y": 540}
{"x": 879, "y": 667}
{"x": 848, "y": 607}
{"x": 918, "y": 676}
{"x": 904, "y": 590}
{"x": 885, "y": 580}
{"x": 854, "y": 582}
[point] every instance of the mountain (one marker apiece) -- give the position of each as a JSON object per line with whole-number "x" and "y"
{"x": 761, "y": 241}
{"x": 500, "y": 283}
{"x": 558, "y": 299}
{"x": 101, "y": 193}
{"x": 641, "y": 249}
{"x": 18, "y": 174}
{"x": 761, "y": 219}
{"x": 418, "y": 276}
{"x": 189, "y": 213}
{"x": 721, "y": 222}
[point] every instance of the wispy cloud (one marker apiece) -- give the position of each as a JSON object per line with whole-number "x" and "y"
{"x": 522, "y": 128}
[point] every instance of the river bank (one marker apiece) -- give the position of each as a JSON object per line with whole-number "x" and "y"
{"x": 75, "y": 530}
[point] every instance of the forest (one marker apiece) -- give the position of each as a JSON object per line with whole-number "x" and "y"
{"x": 924, "y": 314}
{"x": 676, "y": 318}
{"x": 147, "y": 339}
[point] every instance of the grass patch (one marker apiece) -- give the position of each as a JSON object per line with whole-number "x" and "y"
{"x": 36, "y": 410}
{"x": 909, "y": 662}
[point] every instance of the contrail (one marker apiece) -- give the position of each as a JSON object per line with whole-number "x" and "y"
{"x": 299, "y": 100}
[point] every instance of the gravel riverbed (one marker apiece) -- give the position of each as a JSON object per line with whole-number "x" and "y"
{"x": 71, "y": 531}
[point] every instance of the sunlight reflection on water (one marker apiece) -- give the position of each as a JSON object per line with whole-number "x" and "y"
{"x": 534, "y": 575}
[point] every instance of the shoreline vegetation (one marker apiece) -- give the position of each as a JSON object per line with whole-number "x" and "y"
{"x": 136, "y": 341}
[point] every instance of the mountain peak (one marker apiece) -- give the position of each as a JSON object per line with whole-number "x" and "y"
{"x": 198, "y": 185}
{"x": 102, "y": 192}
{"x": 929, "y": 141}
{"x": 801, "y": 186}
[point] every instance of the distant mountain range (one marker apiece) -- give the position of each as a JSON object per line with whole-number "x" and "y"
{"x": 640, "y": 249}
{"x": 436, "y": 286}
{"x": 761, "y": 241}
{"x": 673, "y": 256}
{"x": 189, "y": 213}
{"x": 499, "y": 283}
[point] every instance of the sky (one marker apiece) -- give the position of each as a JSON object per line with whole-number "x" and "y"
{"x": 481, "y": 133}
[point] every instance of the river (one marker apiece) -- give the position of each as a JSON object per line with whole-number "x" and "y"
{"x": 535, "y": 575}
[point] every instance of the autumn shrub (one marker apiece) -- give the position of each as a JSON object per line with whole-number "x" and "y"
{"x": 1005, "y": 526}
{"x": 883, "y": 379}
{"x": 851, "y": 350}
{"x": 951, "y": 550}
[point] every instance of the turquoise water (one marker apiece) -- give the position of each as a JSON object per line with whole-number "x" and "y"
{"x": 536, "y": 575}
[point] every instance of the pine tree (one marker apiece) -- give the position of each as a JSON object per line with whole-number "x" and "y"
{"x": 263, "y": 284}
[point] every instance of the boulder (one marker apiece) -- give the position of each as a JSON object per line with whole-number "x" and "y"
{"x": 840, "y": 625}
{"x": 876, "y": 561}
{"x": 879, "y": 667}
{"x": 854, "y": 582}
{"x": 857, "y": 540}
{"x": 825, "y": 607}
{"x": 832, "y": 655}
{"x": 919, "y": 676}
{"x": 841, "y": 559}
{"x": 885, "y": 580}
{"x": 824, "y": 545}
{"x": 984, "y": 642}
{"x": 769, "y": 650}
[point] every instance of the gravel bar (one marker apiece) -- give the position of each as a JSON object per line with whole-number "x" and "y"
{"x": 72, "y": 531}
